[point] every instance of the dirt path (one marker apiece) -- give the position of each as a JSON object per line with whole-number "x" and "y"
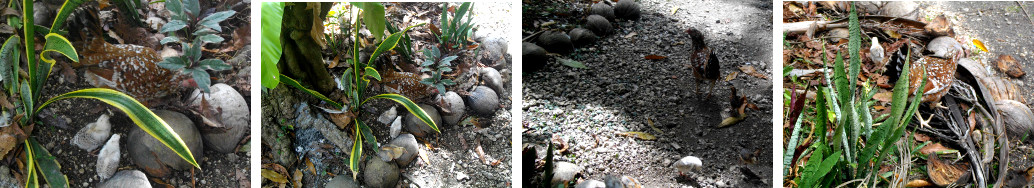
{"x": 621, "y": 91}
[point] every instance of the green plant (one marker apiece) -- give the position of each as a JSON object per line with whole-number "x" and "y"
{"x": 454, "y": 33}
{"x": 272, "y": 18}
{"x": 355, "y": 81}
{"x": 437, "y": 65}
{"x": 199, "y": 32}
{"x": 26, "y": 92}
{"x": 856, "y": 151}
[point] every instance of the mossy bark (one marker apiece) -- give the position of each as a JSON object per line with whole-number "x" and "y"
{"x": 303, "y": 58}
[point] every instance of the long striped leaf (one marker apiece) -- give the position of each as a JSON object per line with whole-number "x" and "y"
{"x": 66, "y": 9}
{"x": 48, "y": 165}
{"x": 357, "y": 151}
{"x": 30, "y": 178}
{"x": 293, "y": 83}
{"x": 30, "y": 43}
{"x": 389, "y": 43}
{"x": 410, "y": 106}
{"x": 143, "y": 117}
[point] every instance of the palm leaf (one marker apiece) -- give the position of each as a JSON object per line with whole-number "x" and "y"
{"x": 412, "y": 107}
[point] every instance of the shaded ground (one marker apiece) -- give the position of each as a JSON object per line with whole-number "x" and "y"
{"x": 621, "y": 91}
{"x": 454, "y": 156}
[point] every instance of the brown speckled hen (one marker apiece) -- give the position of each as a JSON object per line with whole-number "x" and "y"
{"x": 704, "y": 62}
{"x": 131, "y": 69}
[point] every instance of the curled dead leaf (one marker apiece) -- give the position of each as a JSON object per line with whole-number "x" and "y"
{"x": 273, "y": 176}
{"x": 932, "y": 148}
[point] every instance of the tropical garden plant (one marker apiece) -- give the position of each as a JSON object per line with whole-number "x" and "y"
{"x": 28, "y": 90}
{"x": 437, "y": 65}
{"x": 356, "y": 79}
{"x": 184, "y": 16}
{"x": 856, "y": 151}
{"x": 455, "y": 32}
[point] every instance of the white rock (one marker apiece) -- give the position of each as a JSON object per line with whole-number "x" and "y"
{"x": 387, "y": 116}
{"x": 94, "y": 134}
{"x": 689, "y": 163}
{"x": 564, "y": 172}
{"x": 108, "y": 158}
{"x": 396, "y": 126}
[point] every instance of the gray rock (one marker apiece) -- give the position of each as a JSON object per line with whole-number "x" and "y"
{"x": 564, "y": 172}
{"x": 602, "y": 9}
{"x": 419, "y": 128}
{"x": 231, "y": 112}
{"x": 127, "y": 179}
{"x": 496, "y": 47}
{"x": 412, "y": 147}
{"x": 483, "y": 101}
{"x": 5, "y": 178}
{"x": 453, "y": 103}
{"x": 380, "y": 174}
{"x": 944, "y": 46}
{"x": 598, "y": 25}
{"x": 108, "y": 158}
{"x": 492, "y": 79}
{"x": 591, "y": 184}
{"x": 556, "y": 42}
{"x": 534, "y": 57}
{"x": 342, "y": 182}
{"x": 94, "y": 134}
{"x": 620, "y": 181}
{"x": 155, "y": 158}
{"x": 627, "y": 9}
{"x": 582, "y": 36}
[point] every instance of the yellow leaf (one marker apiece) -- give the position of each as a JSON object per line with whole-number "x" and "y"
{"x": 297, "y": 178}
{"x": 650, "y": 122}
{"x": 979, "y": 45}
{"x": 273, "y": 176}
{"x": 731, "y": 121}
{"x": 674, "y": 10}
{"x": 639, "y": 135}
{"x": 731, "y": 76}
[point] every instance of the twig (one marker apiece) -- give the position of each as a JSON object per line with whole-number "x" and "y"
{"x": 1025, "y": 15}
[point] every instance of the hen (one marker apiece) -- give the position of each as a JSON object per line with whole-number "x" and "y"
{"x": 704, "y": 62}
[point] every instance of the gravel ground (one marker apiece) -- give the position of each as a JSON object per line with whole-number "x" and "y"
{"x": 621, "y": 91}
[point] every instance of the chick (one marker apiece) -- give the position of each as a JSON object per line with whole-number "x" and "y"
{"x": 93, "y": 135}
{"x": 108, "y": 158}
{"x": 688, "y": 164}
{"x": 876, "y": 51}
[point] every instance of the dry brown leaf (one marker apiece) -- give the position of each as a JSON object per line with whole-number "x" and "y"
{"x": 655, "y": 57}
{"x": 920, "y": 137}
{"x": 919, "y": 183}
{"x": 309, "y": 166}
{"x": 297, "y": 179}
{"x": 273, "y": 176}
{"x": 749, "y": 70}
{"x": 731, "y": 76}
{"x": 883, "y": 96}
{"x": 932, "y": 148}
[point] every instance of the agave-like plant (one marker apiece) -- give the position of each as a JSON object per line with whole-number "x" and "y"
{"x": 29, "y": 89}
